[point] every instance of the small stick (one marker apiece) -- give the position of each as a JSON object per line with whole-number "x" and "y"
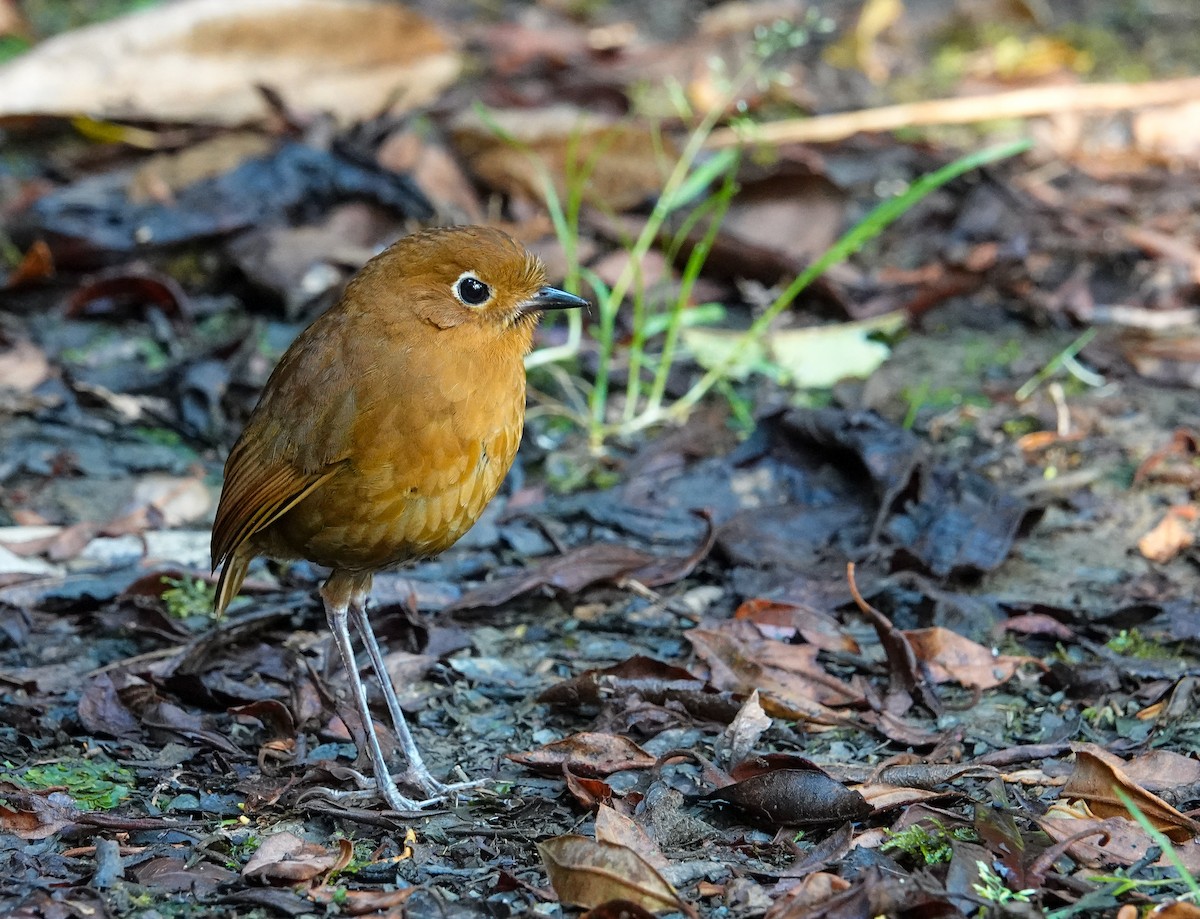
{"x": 1017, "y": 103}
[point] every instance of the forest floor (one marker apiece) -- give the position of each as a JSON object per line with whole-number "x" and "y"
{"x": 914, "y": 643}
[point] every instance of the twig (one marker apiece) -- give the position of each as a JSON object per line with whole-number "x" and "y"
{"x": 1018, "y": 103}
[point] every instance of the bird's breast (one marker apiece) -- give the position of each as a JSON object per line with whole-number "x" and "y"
{"x": 422, "y": 463}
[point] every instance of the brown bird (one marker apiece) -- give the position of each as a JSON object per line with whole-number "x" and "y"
{"x": 382, "y": 434}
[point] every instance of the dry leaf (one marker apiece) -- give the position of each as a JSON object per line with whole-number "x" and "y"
{"x": 587, "y": 753}
{"x": 613, "y": 826}
{"x": 560, "y": 141}
{"x": 782, "y": 620}
{"x": 590, "y": 793}
{"x": 203, "y": 61}
{"x": 1096, "y": 779}
{"x": 286, "y": 858}
{"x": 587, "y": 873}
{"x": 744, "y": 731}
{"x": 794, "y": 797}
{"x": 1171, "y": 535}
{"x": 33, "y": 815}
{"x": 23, "y": 366}
{"x": 791, "y": 683}
{"x": 951, "y": 656}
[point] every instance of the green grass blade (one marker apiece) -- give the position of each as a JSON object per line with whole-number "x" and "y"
{"x": 850, "y": 242}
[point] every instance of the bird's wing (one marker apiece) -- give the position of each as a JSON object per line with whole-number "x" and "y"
{"x": 254, "y": 497}
{"x": 288, "y": 450}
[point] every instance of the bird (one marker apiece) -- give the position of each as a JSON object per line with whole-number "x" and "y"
{"x": 381, "y": 435}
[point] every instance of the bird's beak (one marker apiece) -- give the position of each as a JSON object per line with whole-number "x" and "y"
{"x": 551, "y": 298}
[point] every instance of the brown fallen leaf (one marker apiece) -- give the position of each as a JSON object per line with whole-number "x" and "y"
{"x": 882, "y": 796}
{"x": 1091, "y": 842}
{"x": 613, "y": 826}
{"x": 649, "y": 680}
{"x": 36, "y": 266}
{"x": 1171, "y": 357}
{"x": 177, "y": 875}
{"x": 1098, "y": 776}
{"x": 906, "y": 681}
{"x": 590, "y": 793}
{"x": 787, "y": 218}
{"x": 35, "y": 815}
{"x": 286, "y": 858}
{"x": 101, "y": 710}
{"x": 1173, "y": 462}
{"x": 513, "y": 150}
{"x": 362, "y": 902}
{"x": 587, "y": 873}
{"x": 587, "y": 753}
{"x": 810, "y": 892}
{"x": 1160, "y": 770}
{"x": 744, "y": 731}
{"x": 790, "y": 682}
{"x": 1171, "y": 535}
{"x": 950, "y": 656}
{"x": 202, "y": 61}
{"x": 783, "y": 620}
{"x": 588, "y": 565}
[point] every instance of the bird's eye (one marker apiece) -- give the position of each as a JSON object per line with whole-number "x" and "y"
{"x": 472, "y": 291}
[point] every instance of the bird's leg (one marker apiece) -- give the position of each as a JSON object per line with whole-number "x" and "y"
{"x": 417, "y": 773}
{"x": 337, "y": 596}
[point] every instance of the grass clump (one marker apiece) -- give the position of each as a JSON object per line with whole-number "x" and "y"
{"x": 696, "y": 194}
{"x": 993, "y": 888}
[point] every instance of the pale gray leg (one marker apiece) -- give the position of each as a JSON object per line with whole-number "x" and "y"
{"x": 417, "y": 773}
{"x": 337, "y": 613}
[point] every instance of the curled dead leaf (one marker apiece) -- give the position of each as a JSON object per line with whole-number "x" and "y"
{"x": 588, "y": 754}
{"x": 1097, "y": 779}
{"x": 286, "y": 858}
{"x": 951, "y": 656}
{"x": 1171, "y": 535}
{"x": 587, "y": 873}
{"x": 794, "y": 797}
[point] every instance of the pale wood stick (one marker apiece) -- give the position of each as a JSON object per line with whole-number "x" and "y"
{"x": 1018, "y": 103}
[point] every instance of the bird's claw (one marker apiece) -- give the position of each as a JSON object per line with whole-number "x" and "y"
{"x": 436, "y": 792}
{"x": 440, "y": 791}
{"x": 388, "y": 790}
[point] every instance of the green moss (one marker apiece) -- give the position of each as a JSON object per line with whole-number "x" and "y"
{"x": 186, "y": 597}
{"x": 1131, "y": 643}
{"x": 928, "y": 844}
{"x": 95, "y": 784}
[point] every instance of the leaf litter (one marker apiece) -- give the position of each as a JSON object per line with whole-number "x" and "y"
{"x": 668, "y": 712}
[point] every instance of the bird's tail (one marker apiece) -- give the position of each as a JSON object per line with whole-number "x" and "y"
{"x": 230, "y": 580}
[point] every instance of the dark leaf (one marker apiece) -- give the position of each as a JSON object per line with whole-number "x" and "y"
{"x": 794, "y": 797}
{"x": 583, "y": 567}
{"x": 170, "y": 874}
{"x": 99, "y": 211}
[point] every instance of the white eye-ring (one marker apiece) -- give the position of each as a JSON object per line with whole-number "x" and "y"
{"x": 470, "y": 291}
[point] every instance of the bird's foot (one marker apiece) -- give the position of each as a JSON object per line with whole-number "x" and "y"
{"x": 386, "y": 788}
{"x": 440, "y": 791}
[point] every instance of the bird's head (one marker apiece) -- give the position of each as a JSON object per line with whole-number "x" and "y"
{"x": 464, "y": 277}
